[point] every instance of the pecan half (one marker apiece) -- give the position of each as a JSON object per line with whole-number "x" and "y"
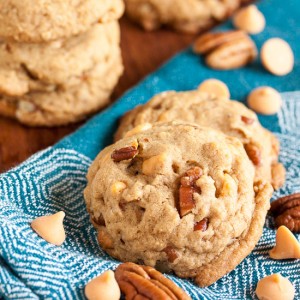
{"x": 247, "y": 120}
{"x": 226, "y": 50}
{"x": 211, "y": 40}
{"x": 124, "y": 153}
{"x": 187, "y": 189}
{"x": 232, "y": 55}
{"x": 253, "y": 153}
{"x": 202, "y": 225}
{"x": 286, "y": 211}
{"x": 143, "y": 282}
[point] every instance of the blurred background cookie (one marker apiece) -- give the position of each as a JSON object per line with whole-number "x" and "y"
{"x": 189, "y": 16}
{"x": 46, "y": 20}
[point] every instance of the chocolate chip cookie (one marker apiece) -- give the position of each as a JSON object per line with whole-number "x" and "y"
{"x": 187, "y": 16}
{"x": 48, "y": 20}
{"x": 178, "y": 197}
{"x": 231, "y": 117}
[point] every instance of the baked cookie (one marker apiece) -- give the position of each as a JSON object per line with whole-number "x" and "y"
{"x": 189, "y": 16}
{"x": 56, "y": 65}
{"x": 62, "y": 106}
{"x": 178, "y": 197}
{"x": 231, "y": 117}
{"x": 47, "y": 20}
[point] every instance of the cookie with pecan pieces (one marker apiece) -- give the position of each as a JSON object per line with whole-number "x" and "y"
{"x": 230, "y": 117}
{"x": 177, "y": 197}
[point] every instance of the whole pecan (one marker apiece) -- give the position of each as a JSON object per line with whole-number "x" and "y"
{"x": 226, "y": 50}
{"x": 286, "y": 211}
{"x": 143, "y": 282}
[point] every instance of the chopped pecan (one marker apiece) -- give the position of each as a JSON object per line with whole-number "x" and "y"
{"x": 171, "y": 253}
{"x": 202, "y": 225}
{"x": 187, "y": 189}
{"x": 142, "y": 282}
{"x": 124, "y": 153}
{"x": 247, "y": 120}
{"x": 253, "y": 153}
{"x": 286, "y": 211}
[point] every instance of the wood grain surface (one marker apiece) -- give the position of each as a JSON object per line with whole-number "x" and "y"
{"x": 143, "y": 52}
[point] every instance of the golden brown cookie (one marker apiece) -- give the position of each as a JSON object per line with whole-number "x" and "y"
{"x": 231, "y": 117}
{"x": 178, "y": 197}
{"x": 48, "y": 20}
{"x": 60, "y": 106}
{"x": 189, "y": 16}
{"x": 47, "y": 67}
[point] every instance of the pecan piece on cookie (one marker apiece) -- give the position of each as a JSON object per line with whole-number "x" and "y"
{"x": 253, "y": 153}
{"x": 187, "y": 189}
{"x": 201, "y": 225}
{"x": 286, "y": 211}
{"x": 124, "y": 153}
{"x": 142, "y": 282}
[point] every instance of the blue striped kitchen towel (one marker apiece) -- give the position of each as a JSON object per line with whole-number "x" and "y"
{"x": 54, "y": 180}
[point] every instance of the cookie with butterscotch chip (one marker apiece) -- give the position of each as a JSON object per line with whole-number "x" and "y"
{"x": 230, "y": 117}
{"x": 177, "y": 197}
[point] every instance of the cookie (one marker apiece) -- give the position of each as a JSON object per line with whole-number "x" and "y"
{"x": 48, "y": 20}
{"x": 231, "y": 117}
{"x": 56, "y": 65}
{"x": 63, "y": 106}
{"x": 178, "y": 197}
{"x": 189, "y": 16}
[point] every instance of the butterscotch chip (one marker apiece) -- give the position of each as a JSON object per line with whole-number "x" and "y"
{"x": 275, "y": 287}
{"x": 287, "y": 246}
{"x": 277, "y": 56}
{"x": 103, "y": 287}
{"x": 50, "y": 228}
{"x": 265, "y": 100}
{"x": 118, "y": 187}
{"x": 154, "y": 164}
{"x": 249, "y": 19}
{"x": 215, "y": 87}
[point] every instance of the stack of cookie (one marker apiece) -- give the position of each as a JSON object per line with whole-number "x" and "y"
{"x": 60, "y": 60}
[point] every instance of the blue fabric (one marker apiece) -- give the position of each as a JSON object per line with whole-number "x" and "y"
{"x": 54, "y": 180}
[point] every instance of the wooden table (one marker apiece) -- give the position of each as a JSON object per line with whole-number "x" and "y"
{"x": 143, "y": 52}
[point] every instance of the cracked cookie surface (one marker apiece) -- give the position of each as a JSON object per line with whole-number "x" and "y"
{"x": 187, "y": 16}
{"x": 231, "y": 117}
{"x": 48, "y": 20}
{"x": 56, "y": 65}
{"x": 62, "y": 106}
{"x": 178, "y": 197}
